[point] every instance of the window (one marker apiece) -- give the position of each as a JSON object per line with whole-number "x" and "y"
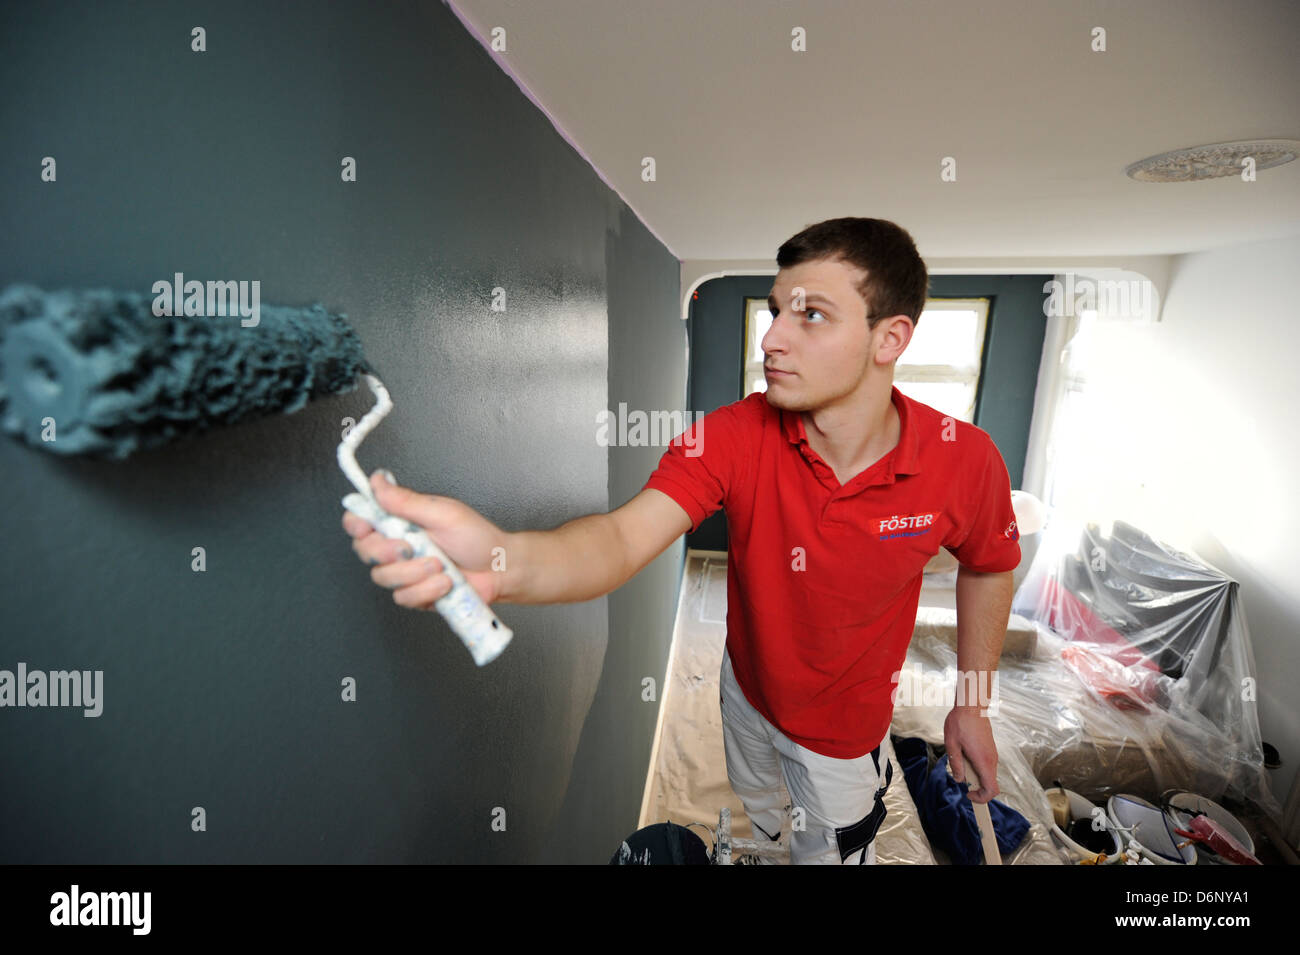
{"x": 757, "y": 321}
{"x": 1066, "y": 454}
{"x": 940, "y": 366}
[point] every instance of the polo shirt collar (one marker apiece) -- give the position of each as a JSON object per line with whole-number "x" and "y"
{"x": 906, "y": 459}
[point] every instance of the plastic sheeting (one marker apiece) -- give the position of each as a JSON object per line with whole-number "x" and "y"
{"x": 688, "y": 783}
{"x": 926, "y": 690}
{"x": 1143, "y": 677}
{"x": 1049, "y": 724}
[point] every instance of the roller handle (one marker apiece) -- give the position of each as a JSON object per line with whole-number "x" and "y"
{"x": 478, "y": 627}
{"x": 983, "y": 819}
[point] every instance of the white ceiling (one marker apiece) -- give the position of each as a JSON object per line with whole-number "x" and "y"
{"x": 753, "y": 141}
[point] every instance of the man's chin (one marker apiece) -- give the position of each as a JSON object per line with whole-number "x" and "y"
{"x": 780, "y": 397}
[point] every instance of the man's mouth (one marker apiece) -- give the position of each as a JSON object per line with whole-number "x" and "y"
{"x": 776, "y": 371}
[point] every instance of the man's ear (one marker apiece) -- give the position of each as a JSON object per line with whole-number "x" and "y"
{"x": 895, "y": 338}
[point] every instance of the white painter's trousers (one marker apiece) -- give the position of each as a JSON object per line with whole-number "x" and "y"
{"x": 836, "y": 805}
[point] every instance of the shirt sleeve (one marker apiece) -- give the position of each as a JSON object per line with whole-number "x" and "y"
{"x": 701, "y": 464}
{"x": 991, "y": 541}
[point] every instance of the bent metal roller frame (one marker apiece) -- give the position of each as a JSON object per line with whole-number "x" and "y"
{"x": 462, "y": 607}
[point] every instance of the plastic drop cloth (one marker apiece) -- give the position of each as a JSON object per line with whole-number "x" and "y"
{"x": 688, "y": 783}
{"x": 926, "y": 692}
{"x": 1143, "y": 675}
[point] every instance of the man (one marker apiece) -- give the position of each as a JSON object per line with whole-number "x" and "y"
{"x": 838, "y": 490}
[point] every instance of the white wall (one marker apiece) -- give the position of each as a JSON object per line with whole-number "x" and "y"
{"x": 1195, "y": 440}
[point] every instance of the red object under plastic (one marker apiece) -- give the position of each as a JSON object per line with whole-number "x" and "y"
{"x": 1102, "y": 657}
{"x": 1204, "y": 829}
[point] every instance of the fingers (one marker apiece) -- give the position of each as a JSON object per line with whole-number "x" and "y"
{"x": 355, "y": 526}
{"x": 988, "y": 785}
{"x": 371, "y": 546}
{"x": 955, "y": 762}
{"x": 430, "y": 511}
{"x": 986, "y": 793}
{"x": 423, "y": 595}
{"x": 404, "y": 573}
{"x": 415, "y": 583}
{"x": 375, "y": 548}
{"x": 378, "y": 482}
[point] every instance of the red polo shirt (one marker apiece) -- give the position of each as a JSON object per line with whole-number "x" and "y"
{"x": 823, "y": 579}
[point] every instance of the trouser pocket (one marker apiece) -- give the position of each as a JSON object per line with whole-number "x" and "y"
{"x": 858, "y": 836}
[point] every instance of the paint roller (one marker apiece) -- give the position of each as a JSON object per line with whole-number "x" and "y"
{"x": 102, "y": 373}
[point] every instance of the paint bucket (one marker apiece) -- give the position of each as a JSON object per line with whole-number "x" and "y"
{"x": 1180, "y": 801}
{"x": 1149, "y": 830}
{"x": 1083, "y": 809}
{"x": 664, "y": 843}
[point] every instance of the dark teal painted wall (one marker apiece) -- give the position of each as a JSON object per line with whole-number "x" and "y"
{"x": 222, "y": 688}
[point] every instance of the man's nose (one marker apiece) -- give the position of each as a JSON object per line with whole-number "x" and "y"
{"x": 773, "y": 340}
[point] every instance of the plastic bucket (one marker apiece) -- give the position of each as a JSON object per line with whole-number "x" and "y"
{"x": 1149, "y": 829}
{"x": 1184, "y": 800}
{"x": 1081, "y": 808}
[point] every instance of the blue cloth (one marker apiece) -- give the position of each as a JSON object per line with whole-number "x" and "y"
{"x": 947, "y": 815}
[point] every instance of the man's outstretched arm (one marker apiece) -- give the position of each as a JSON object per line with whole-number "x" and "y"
{"x": 590, "y": 556}
{"x": 578, "y": 561}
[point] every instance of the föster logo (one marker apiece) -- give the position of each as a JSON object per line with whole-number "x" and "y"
{"x": 903, "y": 525}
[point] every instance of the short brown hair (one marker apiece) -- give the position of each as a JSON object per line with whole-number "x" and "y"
{"x": 897, "y": 280}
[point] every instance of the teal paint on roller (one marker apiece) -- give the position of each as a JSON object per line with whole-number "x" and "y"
{"x": 115, "y": 378}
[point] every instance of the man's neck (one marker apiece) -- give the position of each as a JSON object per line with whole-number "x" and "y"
{"x": 852, "y": 435}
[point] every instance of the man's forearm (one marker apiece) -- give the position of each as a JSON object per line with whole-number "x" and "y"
{"x": 983, "y": 608}
{"x": 577, "y": 561}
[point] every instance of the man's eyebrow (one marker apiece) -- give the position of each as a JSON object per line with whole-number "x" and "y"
{"x": 810, "y": 297}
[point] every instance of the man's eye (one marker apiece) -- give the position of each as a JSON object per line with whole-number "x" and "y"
{"x": 811, "y": 311}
